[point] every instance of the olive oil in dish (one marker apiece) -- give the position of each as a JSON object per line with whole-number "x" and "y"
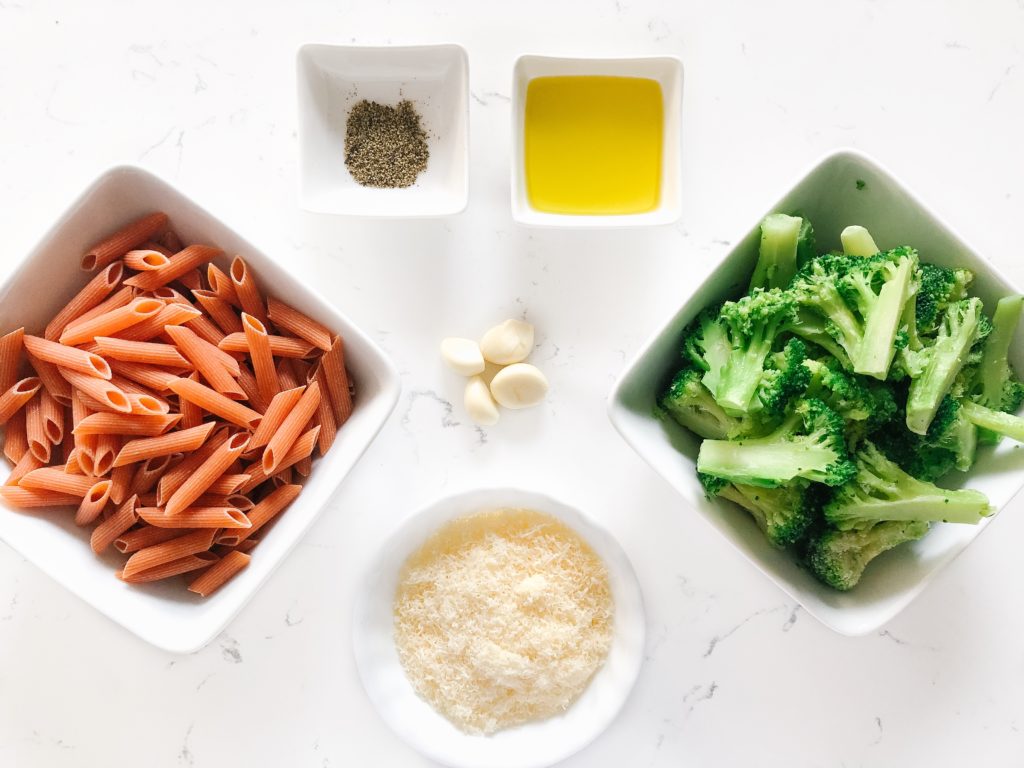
{"x": 593, "y": 144}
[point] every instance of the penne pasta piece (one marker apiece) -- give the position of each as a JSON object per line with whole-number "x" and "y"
{"x": 219, "y": 574}
{"x": 122, "y": 520}
{"x": 228, "y": 483}
{"x": 247, "y": 381}
{"x": 11, "y": 345}
{"x": 152, "y": 245}
{"x": 284, "y": 477}
{"x": 111, "y": 322}
{"x": 85, "y": 445}
{"x": 333, "y": 365}
{"x": 98, "y": 389}
{"x": 239, "y": 501}
{"x": 246, "y": 289}
{"x": 122, "y": 297}
{"x": 28, "y": 498}
{"x": 145, "y": 260}
{"x": 205, "y": 362}
{"x": 216, "y": 403}
{"x": 53, "y": 382}
{"x": 147, "y": 375}
{"x": 171, "y": 314}
{"x": 56, "y": 479}
{"x": 280, "y": 346}
{"x": 173, "y": 479}
{"x": 303, "y": 447}
{"x": 195, "y": 517}
{"x": 277, "y": 501}
{"x": 298, "y": 324}
{"x": 286, "y": 374}
{"x": 52, "y": 414}
{"x": 93, "y": 503}
{"x": 147, "y": 405}
{"x": 15, "y": 439}
{"x": 158, "y": 554}
{"x": 67, "y": 357}
{"x": 92, "y": 295}
{"x": 292, "y": 426}
{"x": 148, "y": 474}
{"x": 262, "y": 359}
{"x": 28, "y": 463}
{"x": 71, "y": 465}
{"x": 304, "y": 466}
{"x": 67, "y": 447}
{"x": 131, "y": 236}
{"x": 107, "y": 446}
{"x": 282, "y": 404}
{"x": 127, "y": 424}
{"x": 17, "y": 396}
{"x": 221, "y": 285}
{"x": 183, "y": 261}
{"x": 120, "y": 482}
{"x": 193, "y": 280}
{"x": 38, "y": 444}
{"x": 325, "y": 414}
{"x": 204, "y": 476}
{"x": 171, "y": 241}
{"x": 140, "y": 538}
{"x": 182, "y": 441}
{"x": 191, "y": 414}
{"x": 222, "y": 312}
{"x": 177, "y": 567}
{"x": 146, "y": 352}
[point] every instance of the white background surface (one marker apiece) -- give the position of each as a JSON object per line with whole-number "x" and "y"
{"x": 204, "y": 94}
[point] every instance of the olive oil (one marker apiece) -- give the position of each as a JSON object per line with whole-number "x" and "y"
{"x": 592, "y": 144}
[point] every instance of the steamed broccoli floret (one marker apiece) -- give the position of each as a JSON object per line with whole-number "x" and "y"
{"x": 805, "y": 246}
{"x": 934, "y": 369}
{"x": 939, "y": 287}
{"x": 815, "y": 329}
{"x": 996, "y": 422}
{"x": 777, "y": 255}
{"x": 810, "y": 443}
{"x": 993, "y": 383}
{"x": 838, "y": 558}
{"x": 815, "y": 288}
{"x": 784, "y": 513}
{"x": 785, "y": 377}
{"x": 915, "y": 454}
{"x": 706, "y": 345}
{"x": 853, "y": 398}
{"x": 879, "y": 288}
{"x": 951, "y": 430}
{"x": 690, "y": 403}
{"x": 882, "y": 491}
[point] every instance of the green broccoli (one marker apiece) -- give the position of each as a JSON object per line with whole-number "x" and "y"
{"x": 882, "y": 491}
{"x": 809, "y": 443}
{"x": 784, "y": 513}
{"x": 785, "y": 377}
{"x": 706, "y": 345}
{"x": 805, "y": 246}
{"x": 939, "y": 287}
{"x": 857, "y": 241}
{"x": 996, "y": 422}
{"x": 855, "y": 399}
{"x": 952, "y": 431}
{"x": 838, "y": 558}
{"x": 777, "y": 255}
{"x": 815, "y": 288}
{"x": 690, "y": 403}
{"x": 994, "y": 384}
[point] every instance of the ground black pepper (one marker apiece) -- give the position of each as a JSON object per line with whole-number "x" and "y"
{"x": 385, "y": 146}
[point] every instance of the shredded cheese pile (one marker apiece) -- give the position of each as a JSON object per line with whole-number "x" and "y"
{"x": 502, "y": 617}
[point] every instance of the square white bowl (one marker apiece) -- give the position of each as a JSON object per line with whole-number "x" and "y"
{"x": 166, "y": 615}
{"x": 667, "y": 71}
{"x": 333, "y": 78}
{"x": 843, "y": 188}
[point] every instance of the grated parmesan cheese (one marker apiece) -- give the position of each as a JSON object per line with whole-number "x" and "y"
{"x": 502, "y": 617}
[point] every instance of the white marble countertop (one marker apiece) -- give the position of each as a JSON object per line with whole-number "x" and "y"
{"x": 203, "y": 93}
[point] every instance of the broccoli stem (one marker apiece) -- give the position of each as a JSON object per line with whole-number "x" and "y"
{"x": 994, "y": 370}
{"x": 776, "y": 262}
{"x": 995, "y": 421}
{"x": 741, "y": 376}
{"x": 964, "y": 506}
{"x": 857, "y": 241}
{"x": 765, "y": 463}
{"x": 878, "y": 346}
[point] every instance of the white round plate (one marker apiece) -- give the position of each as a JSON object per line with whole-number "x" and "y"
{"x": 528, "y": 746}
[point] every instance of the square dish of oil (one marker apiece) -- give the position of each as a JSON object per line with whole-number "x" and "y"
{"x": 596, "y": 141}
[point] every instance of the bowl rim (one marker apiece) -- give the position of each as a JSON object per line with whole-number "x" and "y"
{"x": 615, "y": 404}
{"x": 460, "y": 54}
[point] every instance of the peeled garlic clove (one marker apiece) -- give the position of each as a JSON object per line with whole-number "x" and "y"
{"x": 463, "y": 356}
{"x": 519, "y": 386}
{"x": 508, "y": 342}
{"x": 479, "y": 404}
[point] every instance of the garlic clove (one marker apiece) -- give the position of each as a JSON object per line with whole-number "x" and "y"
{"x": 519, "y": 386}
{"x": 508, "y": 342}
{"x": 479, "y": 404}
{"x": 463, "y": 356}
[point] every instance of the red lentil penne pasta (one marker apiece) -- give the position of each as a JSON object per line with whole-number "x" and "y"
{"x": 177, "y": 567}
{"x": 246, "y": 289}
{"x": 158, "y": 554}
{"x": 85, "y": 445}
{"x": 325, "y": 414}
{"x": 171, "y": 241}
{"x": 98, "y": 389}
{"x": 176, "y": 477}
{"x": 303, "y": 447}
{"x": 148, "y": 474}
{"x": 122, "y": 241}
{"x": 262, "y": 360}
{"x": 150, "y": 376}
{"x": 304, "y": 466}
{"x": 247, "y": 381}
{"x": 216, "y": 403}
{"x": 146, "y": 352}
{"x": 56, "y": 479}
{"x": 207, "y": 364}
{"x": 93, "y": 503}
{"x": 111, "y": 322}
{"x": 71, "y": 358}
{"x": 94, "y": 293}
{"x": 222, "y": 312}
{"x": 182, "y": 441}
{"x": 284, "y": 477}
{"x": 221, "y": 285}
{"x": 219, "y": 574}
{"x": 126, "y": 424}
{"x": 286, "y": 374}
{"x": 191, "y": 414}
{"x": 215, "y": 466}
{"x": 11, "y": 345}
{"x": 171, "y": 314}
{"x": 333, "y": 365}
{"x": 15, "y": 439}
{"x": 104, "y": 534}
{"x": 146, "y": 260}
{"x": 140, "y": 538}
{"x": 147, "y": 405}
{"x": 53, "y": 417}
{"x": 38, "y": 444}
{"x": 298, "y": 324}
{"x": 183, "y": 261}
{"x": 193, "y": 280}
{"x": 54, "y": 383}
{"x": 27, "y": 464}
{"x": 28, "y": 498}
{"x": 71, "y": 464}
{"x": 228, "y": 483}
{"x": 272, "y": 505}
{"x": 120, "y": 481}
{"x": 122, "y": 297}
{"x": 282, "y": 404}
{"x": 107, "y": 447}
{"x": 280, "y": 346}
{"x": 195, "y": 517}
{"x": 152, "y": 245}
{"x": 292, "y": 426}
{"x": 17, "y": 396}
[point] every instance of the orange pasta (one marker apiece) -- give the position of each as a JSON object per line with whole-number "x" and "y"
{"x": 158, "y": 554}
{"x": 191, "y": 414}
{"x": 10, "y": 357}
{"x": 222, "y": 313}
{"x": 52, "y": 414}
{"x": 107, "y": 446}
{"x": 325, "y": 414}
{"x": 104, "y": 534}
{"x": 288, "y": 319}
{"x": 228, "y": 484}
{"x": 122, "y": 297}
{"x": 291, "y": 428}
{"x": 286, "y": 374}
{"x": 98, "y": 389}
{"x": 92, "y": 295}
{"x": 67, "y": 357}
{"x": 120, "y": 482}
{"x": 177, "y": 567}
{"x": 56, "y": 479}
{"x": 28, "y": 498}
{"x": 193, "y": 280}
{"x": 17, "y": 396}
{"x": 216, "y": 403}
{"x": 209, "y": 366}
{"x": 111, "y": 322}
{"x": 27, "y": 464}
{"x": 266, "y": 510}
{"x": 333, "y": 364}
{"x": 170, "y": 314}
{"x": 149, "y": 353}
{"x": 247, "y": 381}
{"x": 171, "y": 241}
{"x": 122, "y": 241}
{"x": 180, "y": 263}
{"x": 282, "y": 404}
{"x": 147, "y": 375}
{"x": 246, "y": 289}
{"x": 54, "y": 383}
{"x": 148, "y": 474}
{"x": 126, "y": 424}
{"x": 215, "y": 466}
{"x": 303, "y": 447}
{"x": 15, "y": 440}
{"x": 262, "y": 359}
{"x": 219, "y": 574}
{"x": 175, "y": 478}
{"x": 147, "y": 259}
{"x": 184, "y": 441}
{"x": 195, "y": 517}
{"x": 221, "y": 285}
{"x": 147, "y": 405}
{"x": 93, "y": 502}
{"x": 140, "y": 538}
{"x": 38, "y": 444}
{"x": 280, "y": 346}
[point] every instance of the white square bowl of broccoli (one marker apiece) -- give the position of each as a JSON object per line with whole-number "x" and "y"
{"x": 875, "y": 567}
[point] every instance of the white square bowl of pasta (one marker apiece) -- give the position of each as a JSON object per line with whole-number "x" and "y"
{"x": 168, "y": 419}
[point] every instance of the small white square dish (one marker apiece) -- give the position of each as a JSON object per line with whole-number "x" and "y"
{"x": 533, "y": 744}
{"x": 334, "y": 78}
{"x": 165, "y": 614}
{"x": 843, "y": 188}
{"x": 666, "y": 71}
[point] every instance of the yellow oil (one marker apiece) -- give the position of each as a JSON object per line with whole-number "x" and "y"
{"x": 592, "y": 144}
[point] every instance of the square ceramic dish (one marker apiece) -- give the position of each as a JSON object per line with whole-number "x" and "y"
{"x": 844, "y": 188}
{"x": 667, "y": 71}
{"x": 333, "y": 78}
{"x": 165, "y": 614}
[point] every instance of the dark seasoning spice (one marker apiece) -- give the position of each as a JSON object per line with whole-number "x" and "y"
{"x": 385, "y": 146}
